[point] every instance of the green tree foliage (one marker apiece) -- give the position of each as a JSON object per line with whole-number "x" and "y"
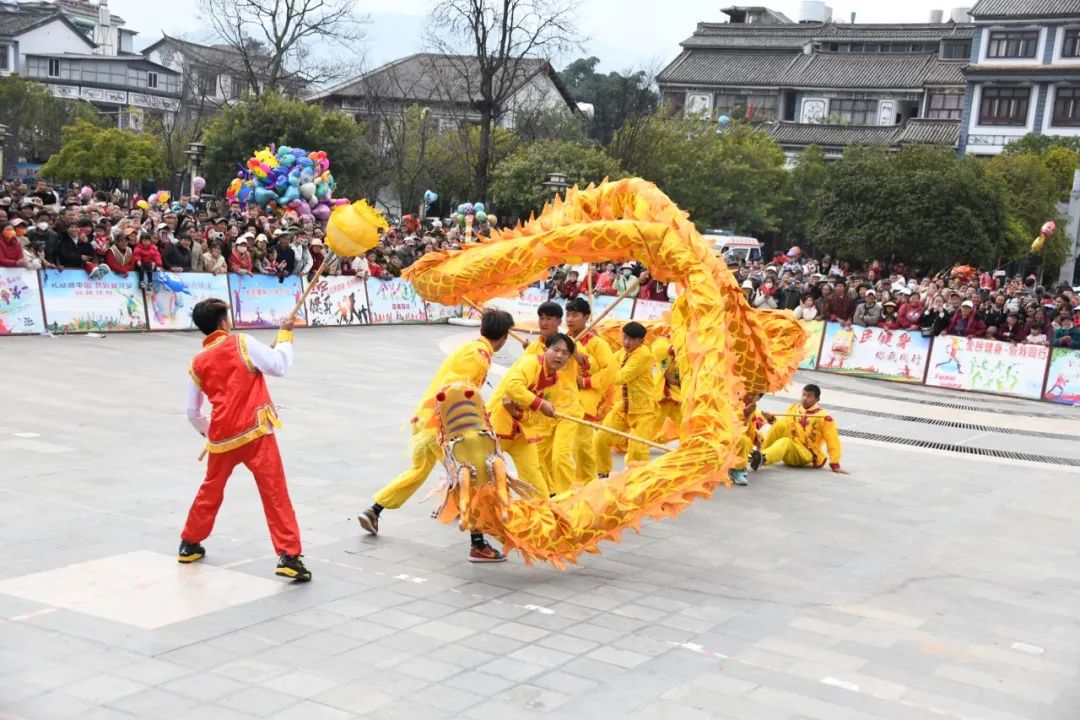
{"x": 921, "y": 205}
{"x": 1029, "y": 194}
{"x": 238, "y": 131}
{"x": 1060, "y": 155}
{"x": 805, "y": 183}
{"x": 35, "y": 119}
{"x": 1032, "y": 144}
{"x": 616, "y": 98}
{"x": 105, "y": 156}
{"x": 733, "y": 179}
{"x": 517, "y": 185}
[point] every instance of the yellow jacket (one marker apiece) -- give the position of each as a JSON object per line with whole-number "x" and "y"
{"x": 666, "y": 372}
{"x": 634, "y": 381}
{"x": 814, "y": 428}
{"x": 528, "y": 384}
{"x": 468, "y": 364}
{"x": 754, "y": 423}
{"x": 599, "y": 374}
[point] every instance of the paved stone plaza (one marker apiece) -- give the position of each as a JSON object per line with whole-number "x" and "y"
{"x": 926, "y": 584}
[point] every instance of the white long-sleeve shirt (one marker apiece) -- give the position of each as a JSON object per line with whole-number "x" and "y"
{"x": 273, "y": 361}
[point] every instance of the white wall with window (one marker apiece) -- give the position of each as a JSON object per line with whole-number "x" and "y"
{"x": 1012, "y": 45}
{"x": 1000, "y": 113}
{"x": 1067, "y": 45}
{"x": 54, "y": 38}
{"x": 1062, "y": 114}
{"x": 944, "y": 105}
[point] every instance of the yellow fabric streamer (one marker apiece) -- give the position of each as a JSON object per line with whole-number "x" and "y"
{"x": 723, "y": 348}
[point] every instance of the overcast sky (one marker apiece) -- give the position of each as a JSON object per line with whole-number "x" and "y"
{"x": 624, "y": 34}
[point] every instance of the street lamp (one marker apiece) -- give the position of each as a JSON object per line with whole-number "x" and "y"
{"x": 3, "y": 142}
{"x": 556, "y": 182}
{"x": 195, "y": 153}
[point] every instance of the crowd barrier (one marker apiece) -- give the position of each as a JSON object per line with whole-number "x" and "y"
{"x": 67, "y": 301}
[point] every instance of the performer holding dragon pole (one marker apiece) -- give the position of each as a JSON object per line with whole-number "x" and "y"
{"x": 468, "y": 364}
{"x": 231, "y": 371}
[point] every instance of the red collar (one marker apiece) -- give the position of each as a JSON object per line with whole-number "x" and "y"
{"x": 214, "y": 337}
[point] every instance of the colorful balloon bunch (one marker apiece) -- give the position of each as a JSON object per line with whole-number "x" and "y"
{"x": 287, "y": 178}
{"x": 467, "y": 213}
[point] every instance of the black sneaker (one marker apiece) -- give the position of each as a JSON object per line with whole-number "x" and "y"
{"x": 190, "y": 552}
{"x": 756, "y": 459}
{"x": 290, "y": 566}
{"x": 369, "y": 521}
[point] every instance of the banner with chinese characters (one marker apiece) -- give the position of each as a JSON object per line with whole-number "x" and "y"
{"x": 340, "y": 300}
{"x": 899, "y": 355}
{"x": 175, "y": 294}
{"x": 988, "y": 366}
{"x": 650, "y": 309}
{"x": 261, "y": 301}
{"x": 815, "y": 331}
{"x": 20, "y": 302}
{"x": 1063, "y": 380}
{"x": 394, "y": 302}
{"x": 522, "y": 306}
{"x": 74, "y": 303}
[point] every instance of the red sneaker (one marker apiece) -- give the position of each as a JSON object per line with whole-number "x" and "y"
{"x": 485, "y": 554}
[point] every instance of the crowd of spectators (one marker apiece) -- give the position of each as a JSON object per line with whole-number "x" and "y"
{"x": 46, "y": 227}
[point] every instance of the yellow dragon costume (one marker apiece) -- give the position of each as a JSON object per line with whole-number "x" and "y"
{"x": 723, "y": 348}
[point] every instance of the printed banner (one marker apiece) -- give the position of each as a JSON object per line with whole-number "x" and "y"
{"x": 815, "y": 330}
{"x": 175, "y": 294}
{"x": 338, "y": 301}
{"x": 20, "y": 302}
{"x": 988, "y": 366}
{"x": 522, "y": 306}
{"x": 1063, "y": 380}
{"x": 649, "y": 309}
{"x": 260, "y": 301}
{"x": 437, "y": 313}
{"x": 394, "y": 302}
{"x": 899, "y": 355}
{"x": 74, "y": 303}
{"x": 622, "y": 311}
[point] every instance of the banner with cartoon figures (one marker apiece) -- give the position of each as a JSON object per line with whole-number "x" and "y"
{"x": 74, "y": 303}
{"x": 1063, "y": 380}
{"x": 988, "y": 366}
{"x": 338, "y": 301}
{"x": 898, "y": 355}
{"x": 175, "y": 294}
{"x": 394, "y": 302}
{"x": 263, "y": 301}
{"x": 647, "y": 309}
{"x": 815, "y": 331}
{"x": 20, "y": 302}
{"x": 437, "y": 313}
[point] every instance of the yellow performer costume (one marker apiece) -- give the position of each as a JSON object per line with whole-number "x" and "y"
{"x": 635, "y": 407}
{"x": 528, "y": 383}
{"x": 557, "y": 437}
{"x": 750, "y": 439}
{"x": 798, "y": 441}
{"x": 668, "y": 391}
{"x": 724, "y": 349}
{"x": 596, "y": 381}
{"x": 469, "y": 364}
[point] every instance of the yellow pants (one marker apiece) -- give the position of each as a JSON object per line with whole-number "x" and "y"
{"x": 742, "y": 451}
{"x": 526, "y": 457}
{"x": 425, "y": 456}
{"x": 557, "y": 455}
{"x": 585, "y": 454}
{"x": 640, "y": 425}
{"x": 779, "y": 446}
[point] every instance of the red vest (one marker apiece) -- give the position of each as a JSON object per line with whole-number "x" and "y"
{"x": 242, "y": 408}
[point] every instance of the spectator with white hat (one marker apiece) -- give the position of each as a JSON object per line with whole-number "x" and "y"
{"x": 240, "y": 260}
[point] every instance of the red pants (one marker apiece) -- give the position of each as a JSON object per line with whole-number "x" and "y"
{"x": 264, "y": 461}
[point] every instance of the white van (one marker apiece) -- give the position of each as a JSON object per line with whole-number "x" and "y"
{"x": 743, "y": 248}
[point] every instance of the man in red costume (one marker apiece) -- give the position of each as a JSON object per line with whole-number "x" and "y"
{"x": 231, "y": 371}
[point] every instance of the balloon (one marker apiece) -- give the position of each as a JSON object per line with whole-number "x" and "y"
{"x": 143, "y": 205}
{"x": 321, "y": 213}
{"x": 1038, "y": 244}
{"x": 153, "y": 199}
{"x": 86, "y": 192}
{"x": 479, "y": 208}
{"x": 1048, "y": 228}
{"x": 723, "y": 120}
{"x": 163, "y": 197}
{"x": 481, "y": 216}
{"x": 308, "y": 190}
{"x": 198, "y": 183}
{"x": 430, "y": 197}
